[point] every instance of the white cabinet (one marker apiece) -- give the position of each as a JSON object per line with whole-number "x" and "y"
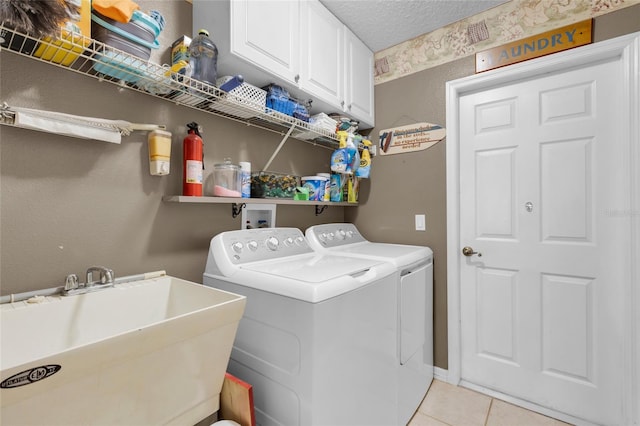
{"x": 321, "y": 53}
{"x": 359, "y": 97}
{"x": 265, "y": 33}
{"x": 297, "y": 44}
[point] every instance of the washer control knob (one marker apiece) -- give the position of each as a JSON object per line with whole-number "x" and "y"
{"x": 299, "y": 241}
{"x": 253, "y": 245}
{"x": 237, "y": 246}
{"x": 330, "y": 236}
{"x": 272, "y": 243}
{"x": 340, "y": 234}
{"x": 288, "y": 241}
{"x": 349, "y": 234}
{"x": 323, "y": 236}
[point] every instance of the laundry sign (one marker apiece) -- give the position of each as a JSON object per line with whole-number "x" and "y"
{"x": 414, "y": 137}
{"x": 553, "y": 41}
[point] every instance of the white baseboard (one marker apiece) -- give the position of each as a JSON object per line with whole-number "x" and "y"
{"x": 527, "y": 405}
{"x": 441, "y": 374}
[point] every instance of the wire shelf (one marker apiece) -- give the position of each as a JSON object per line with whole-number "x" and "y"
{"x": 93, "y": 58}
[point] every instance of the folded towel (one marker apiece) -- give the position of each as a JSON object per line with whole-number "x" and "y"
{"x": 120, "y": 10}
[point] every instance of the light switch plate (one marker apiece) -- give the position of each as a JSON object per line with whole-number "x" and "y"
{"x": 421, "y": 222}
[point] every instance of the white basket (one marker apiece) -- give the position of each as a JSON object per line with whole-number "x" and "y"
{"x": 251, "y": 100}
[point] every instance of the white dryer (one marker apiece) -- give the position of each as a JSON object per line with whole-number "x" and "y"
{"x": 318, "y": 337}
{"x": 414, "y": 281}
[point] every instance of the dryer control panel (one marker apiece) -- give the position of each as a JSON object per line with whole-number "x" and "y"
{"x": 335, "y": 234}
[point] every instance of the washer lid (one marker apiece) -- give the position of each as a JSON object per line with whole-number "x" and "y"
{"x": 311, "y": 277}
{"x": 398, "y": 254}
{"x": 313, "y": 268}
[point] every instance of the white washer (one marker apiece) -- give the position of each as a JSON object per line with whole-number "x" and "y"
{"x": 318, "y": 338}
{"x": 414, "y": 277}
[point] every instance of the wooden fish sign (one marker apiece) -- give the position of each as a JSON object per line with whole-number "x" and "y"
{"x": 414, "y": 137}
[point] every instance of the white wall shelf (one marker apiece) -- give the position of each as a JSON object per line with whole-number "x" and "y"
{"x": 237, "y": 203}
{"x": 224, "y": 200}
{"x": 154, "y": 80}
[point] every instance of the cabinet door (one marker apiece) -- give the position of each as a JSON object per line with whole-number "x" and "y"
{"x": 359, "y": 80}
{"x": 265, "y": 33}
{"x": 321, "y": 53}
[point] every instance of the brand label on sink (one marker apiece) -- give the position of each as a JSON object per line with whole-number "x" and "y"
{"x": 30, "y": 376}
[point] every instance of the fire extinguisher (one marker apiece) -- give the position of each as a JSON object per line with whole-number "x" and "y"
{"x": 192, "y": 161}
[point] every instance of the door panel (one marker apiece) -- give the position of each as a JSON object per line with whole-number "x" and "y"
{"x": 321, "y": 50}
{"x": 495, "y": 188}
{"x": 277, "y": 53}
{"x": 567, "y": 327}
{"x": 566, "y": 190}
{"x": 496, "y": 337}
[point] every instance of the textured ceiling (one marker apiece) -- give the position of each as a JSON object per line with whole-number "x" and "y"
{"x": 385, "y": 23}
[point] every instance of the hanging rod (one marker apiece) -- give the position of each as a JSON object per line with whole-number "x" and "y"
{"x": 70, "y": 125}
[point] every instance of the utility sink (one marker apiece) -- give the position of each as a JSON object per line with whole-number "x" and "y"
{"x": 147, "y": 352}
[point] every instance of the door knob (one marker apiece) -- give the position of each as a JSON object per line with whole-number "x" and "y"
{"x": 468, "y": 251}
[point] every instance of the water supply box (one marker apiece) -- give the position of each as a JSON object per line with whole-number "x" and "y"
{"x": 273, "y": 185}
{"x": 180, "y": 50}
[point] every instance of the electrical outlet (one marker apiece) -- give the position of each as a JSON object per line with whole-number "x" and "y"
{"x": 421, "y": 222}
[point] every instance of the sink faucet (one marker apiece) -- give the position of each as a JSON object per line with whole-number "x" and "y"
{"x": 106, "y": 279}
{"x": 71, "y": 283}
{"x": 106, "y": 276}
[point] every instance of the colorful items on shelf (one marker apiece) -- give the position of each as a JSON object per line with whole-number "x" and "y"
{"x": 345, "y": 159}
{"x": 119, "y": 10}
{"x": 278, "y": 99}
{"x": 136, "y": 36}
{"x": 273, "y": 185}
{"x": 348, "y": 167}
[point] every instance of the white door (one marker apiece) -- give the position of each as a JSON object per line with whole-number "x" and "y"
{"x": 543, "y": 167}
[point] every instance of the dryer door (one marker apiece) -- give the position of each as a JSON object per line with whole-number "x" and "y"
{"x": 413, "y": 300}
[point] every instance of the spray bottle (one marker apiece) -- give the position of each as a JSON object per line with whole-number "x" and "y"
{"x": 340, "y": 157}
{"x": 352, "y": 154}
{"x": 365, "y": 160}
{"x": 193, "y": 161}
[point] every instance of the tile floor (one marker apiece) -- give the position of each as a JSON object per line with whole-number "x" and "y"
{"x": 448, "y": 405}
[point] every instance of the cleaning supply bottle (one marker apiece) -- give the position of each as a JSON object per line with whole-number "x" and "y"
{"x": 203, "y": 58}
{"x": 364, "y": 169}
{"x": 327, "y": 186}
{"x": 245, "y": 173}
{"x": 353, "y": 156}
{"x": 340, "y": 157}
{"x": 192, "y": 161}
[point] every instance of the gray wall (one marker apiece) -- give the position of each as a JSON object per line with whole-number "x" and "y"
{"x": 67, "y": 204}
{"x": 404, "y": 185}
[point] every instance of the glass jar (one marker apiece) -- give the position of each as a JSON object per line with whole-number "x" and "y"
{"x": 227, "y": 179}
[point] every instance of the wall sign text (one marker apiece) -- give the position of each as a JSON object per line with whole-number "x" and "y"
{"x": 553, "y": 41}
